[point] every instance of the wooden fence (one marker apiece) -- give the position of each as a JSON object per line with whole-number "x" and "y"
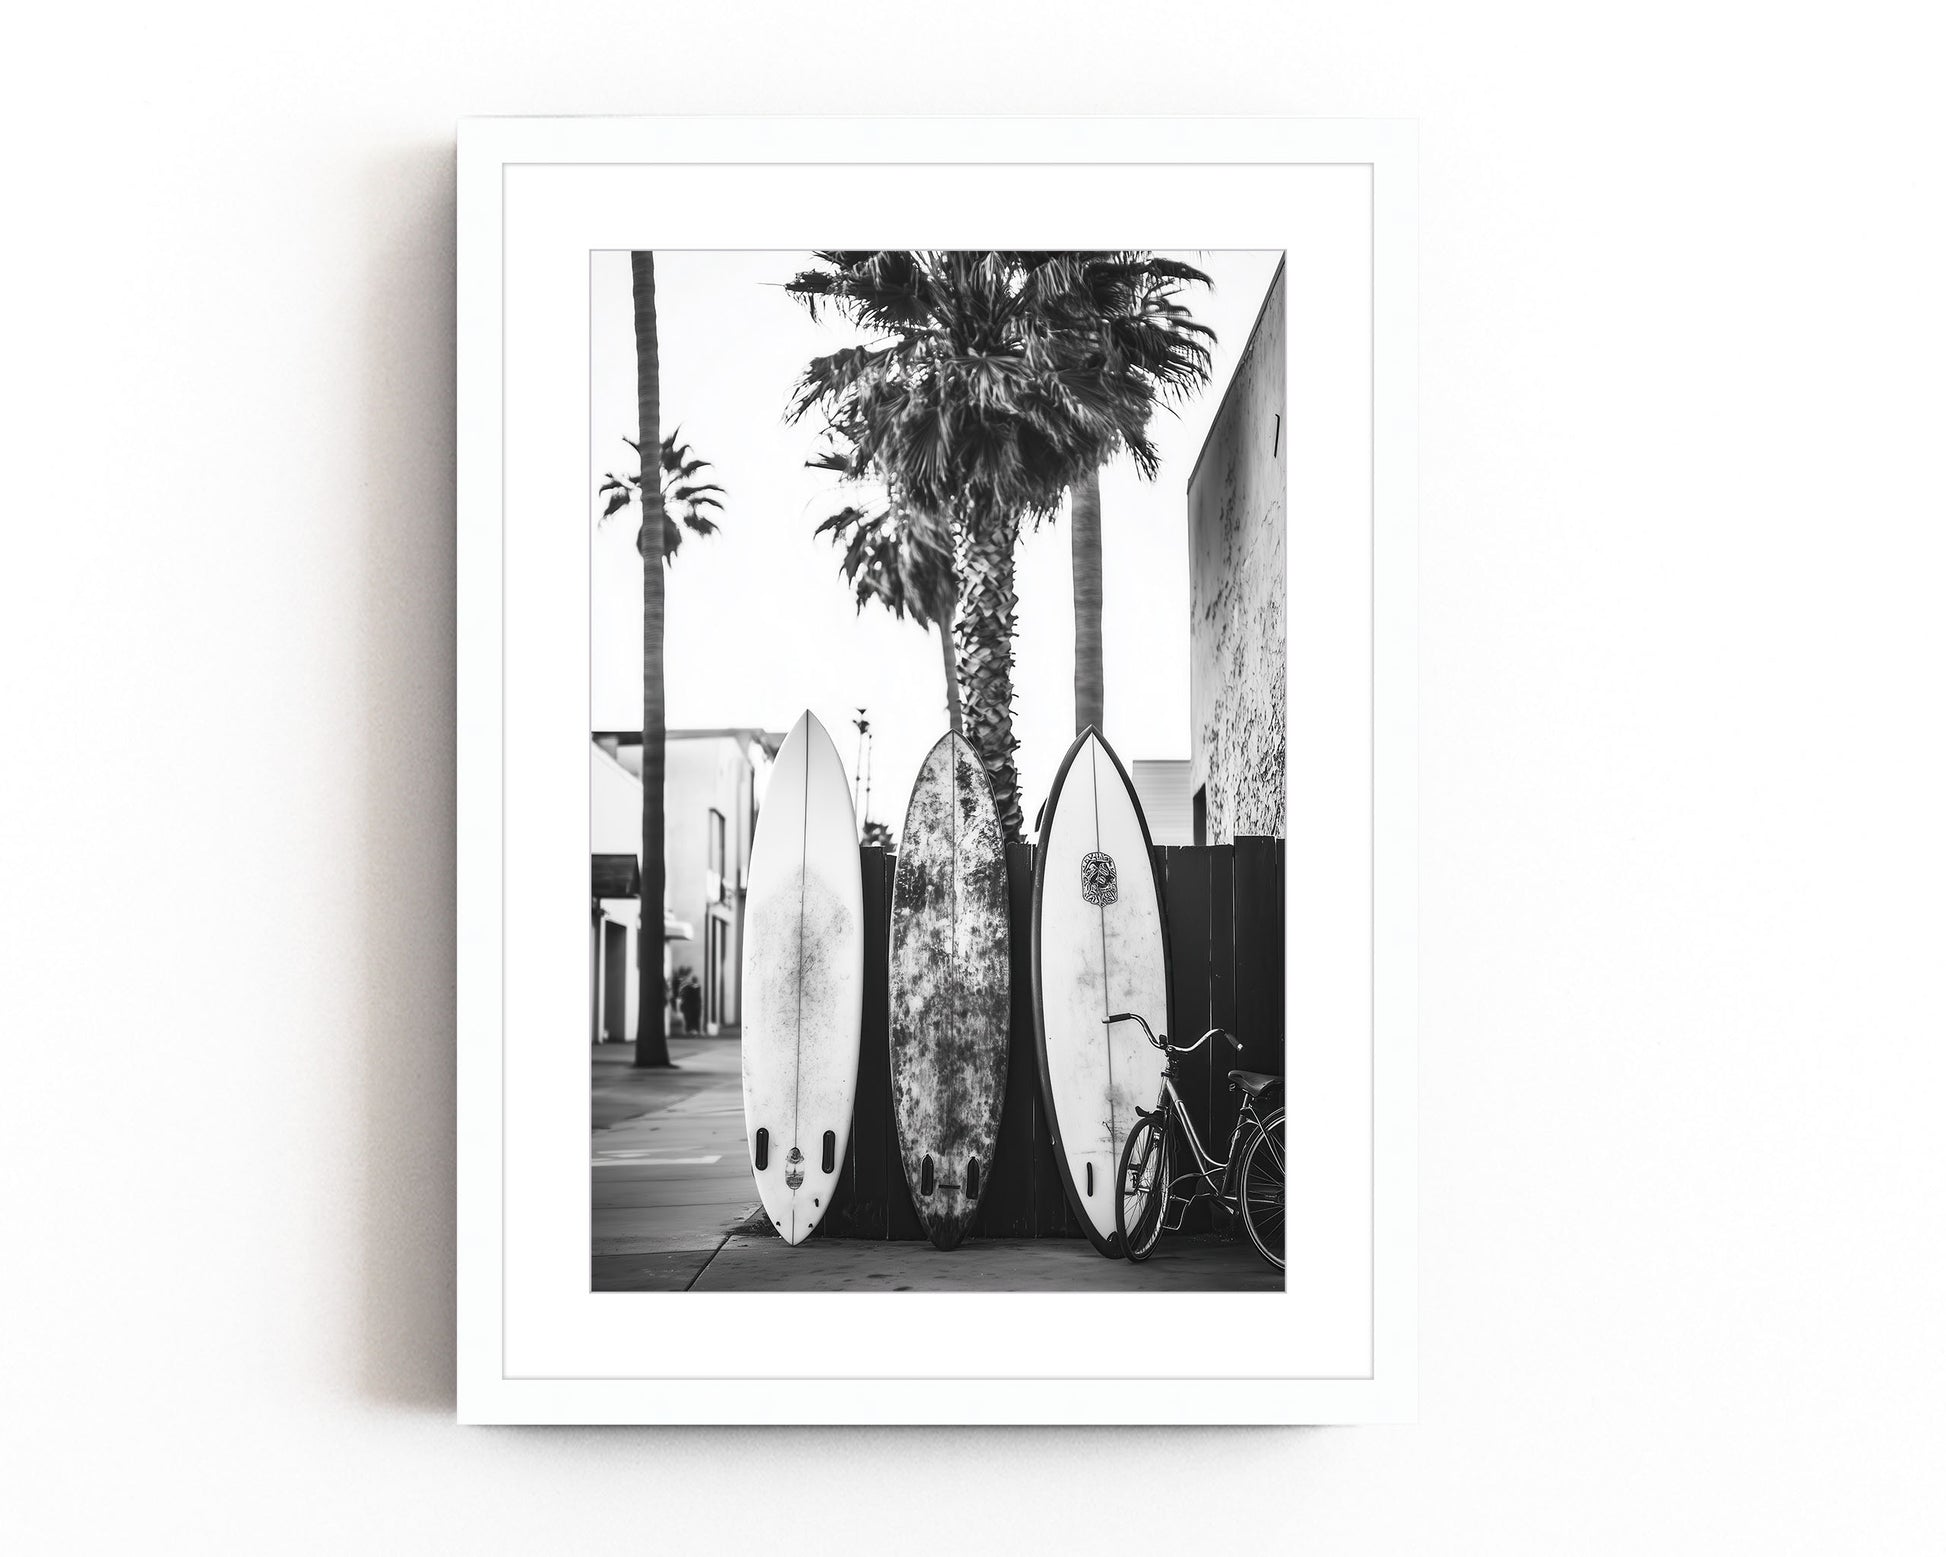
{"x": 1225, "y": 910}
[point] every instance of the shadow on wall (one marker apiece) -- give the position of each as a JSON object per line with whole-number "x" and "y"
{"x": 404, "y": 1348}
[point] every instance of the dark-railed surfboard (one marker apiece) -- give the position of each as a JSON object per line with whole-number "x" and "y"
{"x": 949, "y": 989}
{"x": 1099, "y": 948}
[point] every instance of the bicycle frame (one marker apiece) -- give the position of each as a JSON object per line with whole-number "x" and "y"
{"x": 1212, "y": 1172}
{"x": 1215, "y": 1175}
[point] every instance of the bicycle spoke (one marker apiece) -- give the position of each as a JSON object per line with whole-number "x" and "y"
{"x": 1260, "y": 1194}
{"x": 1143, "y": 1188}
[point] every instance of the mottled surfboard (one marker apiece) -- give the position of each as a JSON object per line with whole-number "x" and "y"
{"x": 1099, "y": 947}
{"x": 949, "y": 989}
{"x": 803, "y": 981}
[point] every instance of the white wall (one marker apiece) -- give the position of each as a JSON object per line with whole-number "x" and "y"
{"x": 706, "y": 773}
{"x": 1682, "y": 1251}
{"x": 1238, "y": 684}
{"x": 615, "y": 827}
{"x": 614, "y": 807}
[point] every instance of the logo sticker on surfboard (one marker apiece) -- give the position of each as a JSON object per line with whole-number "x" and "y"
{"x": 1098, "y": 879}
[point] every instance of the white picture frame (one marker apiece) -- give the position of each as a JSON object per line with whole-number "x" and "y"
{"x": 535, "y": 196}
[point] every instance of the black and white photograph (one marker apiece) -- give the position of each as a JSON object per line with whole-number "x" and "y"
{"x": 1056, "y": 777}
{"x": 937, "y": 770}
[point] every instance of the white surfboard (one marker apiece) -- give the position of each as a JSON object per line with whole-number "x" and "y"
{"x": 803, "y": 981}
{"x": 1099, "y": 947}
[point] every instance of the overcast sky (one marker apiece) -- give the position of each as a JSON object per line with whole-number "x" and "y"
{"x": 760, "y": 623}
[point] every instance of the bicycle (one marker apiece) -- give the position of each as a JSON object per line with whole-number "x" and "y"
{"x": 1146, "y": 1185}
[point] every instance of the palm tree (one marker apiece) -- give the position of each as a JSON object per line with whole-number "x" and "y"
{"x": 898, "y": 558}
{"x": 687, "y": 500}
{"x": 987, "y": 391}
{"x": 1084, "y": 550}
{"x": 1131, "y": 299}
{"x": 655, "y": 488}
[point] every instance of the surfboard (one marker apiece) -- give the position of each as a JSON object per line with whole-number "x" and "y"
{"x": 803, "y": 981}
{"x": 1099, "y": 947}
{"x": 949, "y": 988}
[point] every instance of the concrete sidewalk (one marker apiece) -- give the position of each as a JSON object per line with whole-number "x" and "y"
{"x": 670, "y": 1171}
{"x": 1188, "y": 1264}
{"x": 672, "y": 1193}
{"x": 619, "y": 1092}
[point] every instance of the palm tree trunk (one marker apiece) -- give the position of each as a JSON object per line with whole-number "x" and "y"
{"x": 984, "y": 634}
{"x": 651, "y": 1035}
{"x": 955, "y": 715}
{"x": 1084, "y": 531}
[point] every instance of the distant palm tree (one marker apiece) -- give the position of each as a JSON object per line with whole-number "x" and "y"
{"x": 897, "y": 558}
{"x": 1131, "y": 299}
{"x": 651, "y": 489}
{"x": 688, "y": 503}
{"x": 986, "y": 392}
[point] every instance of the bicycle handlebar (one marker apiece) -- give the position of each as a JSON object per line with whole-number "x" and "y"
{"x": 1162, "y": 1042}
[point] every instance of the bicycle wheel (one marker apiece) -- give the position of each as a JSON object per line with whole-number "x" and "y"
{"x": 1142, "y": 1187}
{"x": 1260, "y": 1189}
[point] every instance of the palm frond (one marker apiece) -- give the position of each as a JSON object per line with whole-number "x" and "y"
{"x": 688, "y": 504}
{"x": 997, "y": 377}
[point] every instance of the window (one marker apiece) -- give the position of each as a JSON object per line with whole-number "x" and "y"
{"x": 1199, "y": 815}
{"x": 719, "y": 891}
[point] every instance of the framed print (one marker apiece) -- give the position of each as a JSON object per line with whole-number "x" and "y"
{"x": 936, "y": 771}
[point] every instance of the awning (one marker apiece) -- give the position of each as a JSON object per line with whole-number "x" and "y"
{"x": 617, "y": 875}
{"x": 620, "y": 875}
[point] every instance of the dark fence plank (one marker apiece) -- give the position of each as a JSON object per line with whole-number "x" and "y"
{"x": 1259, "y": 956}
{"x": 1277, "y": 901}
{"x": 1226, "y": 940}
{"x": 1221, "y": 1106}
{"x": 1259, "y": 897}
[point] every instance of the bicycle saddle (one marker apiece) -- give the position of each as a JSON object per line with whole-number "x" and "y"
{"x": 1255, "y": 1082}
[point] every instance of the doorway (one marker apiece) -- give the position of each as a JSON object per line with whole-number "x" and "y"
{"x": 715, "y": 943}
{"x": 614, "y": 979}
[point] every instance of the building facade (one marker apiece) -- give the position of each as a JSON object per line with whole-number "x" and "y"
{"x": 615, "y": 898}
{"x": 1237, "y": 560}
{"x": 615, "y": 870}
{"x": 713, "y": 783}
{"x": 1162, "y": 786}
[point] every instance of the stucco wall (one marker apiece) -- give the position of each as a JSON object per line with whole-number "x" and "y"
{"x": 614, "y": 827}
{"x": 1236, "y": 593}
{"x": 706, "y": 772}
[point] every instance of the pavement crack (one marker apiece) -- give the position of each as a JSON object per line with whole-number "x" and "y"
{"x": 707, "y": 1263}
